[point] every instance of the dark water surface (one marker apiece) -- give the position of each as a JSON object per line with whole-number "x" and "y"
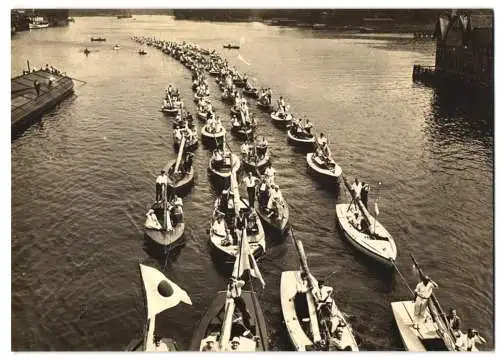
{"x": 83, "y": 178}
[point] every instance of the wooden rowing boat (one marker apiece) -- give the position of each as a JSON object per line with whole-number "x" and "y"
{"x": 212, "y": 137}
{"x": 279, "y": 226}
{"x": 226, "y": 251}
{"x": 249, "y": 161}
{"x": 320, "y": 167}
{"x": 179, "y": 180}
{"x": 306, "y": 140}
{"x": 222, "y": 175}
{"x": 309, "y": 326}
{"x": 161, "y": 294}
{"x": 281, "y": 119}
{"x": 379, "y": 246}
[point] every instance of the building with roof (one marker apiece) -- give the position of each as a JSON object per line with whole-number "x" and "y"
{"x": 464, "y": 50}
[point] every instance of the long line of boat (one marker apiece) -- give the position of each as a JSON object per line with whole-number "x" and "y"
{"x": 240, "y": 226}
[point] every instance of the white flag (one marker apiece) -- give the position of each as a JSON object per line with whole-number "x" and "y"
{"x": 246, "y": 261}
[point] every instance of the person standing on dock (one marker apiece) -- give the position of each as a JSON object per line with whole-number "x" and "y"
{"x": 161, "y": 180}
{"x": 423, "y": 292}
{"x": 250, "y": 182}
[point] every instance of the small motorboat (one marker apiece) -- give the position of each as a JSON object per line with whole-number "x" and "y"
{"x": 191, "y": 143}
{"x": 324, "y": 167}
{"x": 142, "y": 52}
{"x": 170, "y": 232}
{"x": 251, "y": 92}
{"x": 213, "y": 137}
{"x": 364, "y": 232}
{"x": 264, "y": 105}
{"x": 375, "y": 241}
{"x": 86, "y": 51}
{"x": 229, "y": 46}
{"x": 278, "y": 224}
{"x": 116, "y": 47}
{"x": 170, "y": 109}
{"x": 161, "y": 294}
{"x": 222, "y": 246}
{"x": 249, "y": 161}
{"x": 300, "y": 139}
{"x": 97, "y": 39}
{"x": 179, "y": 178}
{"x": 310, "y": 323}
{"x": 281, "y": 118}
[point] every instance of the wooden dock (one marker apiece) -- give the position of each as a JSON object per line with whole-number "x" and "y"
{"x": 27, "y": 106}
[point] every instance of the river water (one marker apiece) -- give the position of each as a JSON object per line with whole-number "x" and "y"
{"x": 82, "y": 180}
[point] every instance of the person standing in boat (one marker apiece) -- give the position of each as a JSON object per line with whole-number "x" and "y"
{"x": 364, "y": 194}
{"x": 270, "y": 173}
{"x": 250, "y": 182}
{"x": 468, "y": 342}
{"x": 161, "y": 180}
{"x": 356, "y": 187}
{"x": 423, "y": 292}
{"x": 240, "y": 223}
{"x": 322, "y": 141}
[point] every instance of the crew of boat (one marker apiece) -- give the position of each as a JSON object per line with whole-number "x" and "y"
{"x": 235, "y": 321}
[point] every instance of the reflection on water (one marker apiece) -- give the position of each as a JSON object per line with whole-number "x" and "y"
{"x": 82, "y": 180}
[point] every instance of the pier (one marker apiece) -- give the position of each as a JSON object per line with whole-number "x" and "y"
{"x": 28, "y": 104}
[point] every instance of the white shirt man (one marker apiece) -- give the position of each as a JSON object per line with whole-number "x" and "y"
{"x": 177, "y": 134}
{"x": 234, "y": 288}
{"x": 356, "y": 187}
{"x": 467, "y": 342}
{"x": 423, "y": 292}
{"x": 270, "y": 173}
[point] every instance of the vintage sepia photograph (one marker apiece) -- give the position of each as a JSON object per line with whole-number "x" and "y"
{"x": 252, "y": 179}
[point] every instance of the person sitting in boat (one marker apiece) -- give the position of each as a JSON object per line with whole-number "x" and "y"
{"x": 235, "y": 122}
{"x": 170, "y": 90}
{"x": 252, "y": 227}
{"x": 177, "y": 205}
{"x": 423, "y": 292}
{"x": 218, "y": 158}
{"x": 188, "y": 162}
{"x": 219, "y": 226}
{"x": 218, "y": 125}
{"x": 151, "y": 221}
{"x": 307, "y": 127}
{"x": 177, "y": 134}
{"x": 209, "y": 346}
{"x": 335, "y": 341}
{"x": 455, "y": 323}
{"x": 468, "y": 342}
{"x": 324, "y": 299}
{"x": 253, "y": 121}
